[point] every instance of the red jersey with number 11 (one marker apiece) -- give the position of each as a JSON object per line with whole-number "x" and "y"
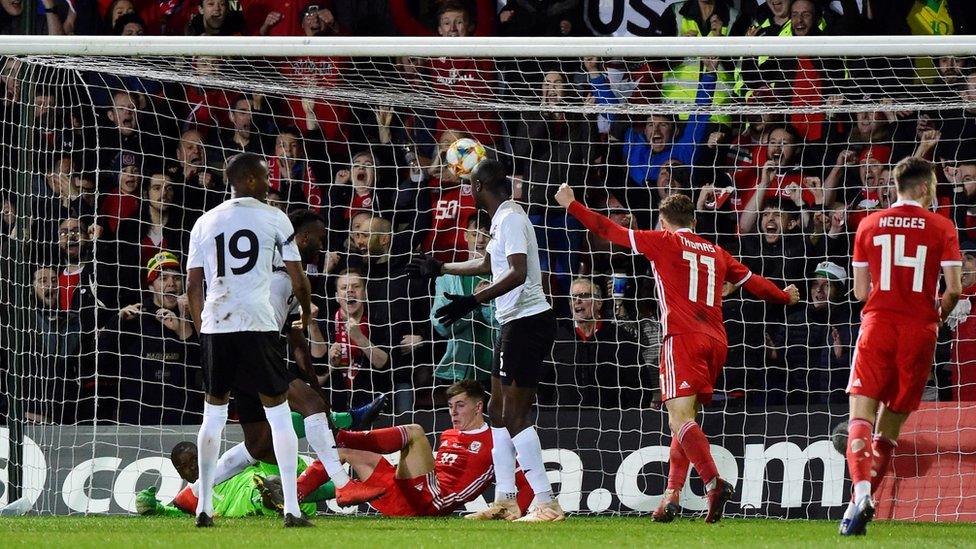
{"x": 904, "y": 248}
{"x": 689, "y": 273}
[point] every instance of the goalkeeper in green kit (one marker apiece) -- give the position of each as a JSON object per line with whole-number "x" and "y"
{"x": 238, "y": 496}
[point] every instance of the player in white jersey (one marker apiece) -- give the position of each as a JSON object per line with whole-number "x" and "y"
{"x": 527, "y": 333}
{"x": 309, "y": 235}
{"x": 232, "y": 248}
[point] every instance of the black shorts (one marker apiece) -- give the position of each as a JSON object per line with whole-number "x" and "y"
{"x": 246, "y": 362}
{"x": 522, "y": 348}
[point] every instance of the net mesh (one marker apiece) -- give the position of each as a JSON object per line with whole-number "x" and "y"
{"x": 108, "y": 161}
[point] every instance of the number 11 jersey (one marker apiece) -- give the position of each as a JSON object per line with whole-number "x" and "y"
{"x": 904, "y": 248}
{"x": 235, "y": 245}
{"x": 689, "y": 272}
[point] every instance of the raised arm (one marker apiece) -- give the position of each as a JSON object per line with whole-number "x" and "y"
{"x": 602, "y": 226}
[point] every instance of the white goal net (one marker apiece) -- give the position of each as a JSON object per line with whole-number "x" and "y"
{"x": 108, "y": 157}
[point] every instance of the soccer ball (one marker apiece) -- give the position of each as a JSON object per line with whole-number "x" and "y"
{"x": 463, "y": 155}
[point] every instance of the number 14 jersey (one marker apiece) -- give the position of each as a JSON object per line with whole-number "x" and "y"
{"x": 235, "y": 244}
{"x": 904, "y": 248}
{"x": 689, "y": 273}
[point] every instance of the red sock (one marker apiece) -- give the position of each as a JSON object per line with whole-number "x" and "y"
{"x": 694, "y": 443}
{"x": 382, "y": 441}
{"x": 860, "y": 461}
{"x": 677, "y": 466}
{"x": 882, "y": 449}
{"x": 185, "y": 501}
{"x": 311, "y": 478}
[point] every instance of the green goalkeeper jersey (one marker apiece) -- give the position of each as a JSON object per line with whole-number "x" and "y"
{"x": 237, "y": 496}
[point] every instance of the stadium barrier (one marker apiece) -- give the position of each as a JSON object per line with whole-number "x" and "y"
{"x": 783, "y": 464}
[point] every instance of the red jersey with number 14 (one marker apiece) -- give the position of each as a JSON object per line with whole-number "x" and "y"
{"x": 904, "y": 248}
{"x": 689, "y": 273}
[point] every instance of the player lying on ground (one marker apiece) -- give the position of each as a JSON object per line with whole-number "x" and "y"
{"x": 240, "y": 459}
{"x": 237, "y": 495}
{"x": 422, "y": 484}
{"x": 898, "y": 253}
{"x": 528, "y": 329}
{"x": 690, "y": 272}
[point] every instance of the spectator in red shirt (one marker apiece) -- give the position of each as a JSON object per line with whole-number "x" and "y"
{"x": 866, "y": 196}
{"x": 169, "y": 17}
{"x": 451, "y": 204}
{"x": 455, "y": 78}
{"x": 122, "y": 202}
{"x": 962, "y": 322}
{"x": 290, "y": 175}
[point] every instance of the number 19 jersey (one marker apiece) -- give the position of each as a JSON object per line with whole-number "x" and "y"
{"x": 904, "y": 248}
{"x": 689, "y": 272}
{"x": 235, "y": 245}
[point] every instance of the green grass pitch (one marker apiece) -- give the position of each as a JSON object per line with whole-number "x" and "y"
{"x": 445, "y": 533}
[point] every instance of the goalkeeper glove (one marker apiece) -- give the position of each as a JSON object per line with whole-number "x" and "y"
{"x": 147, "y": 504}
{"x": 424, "y": 267}
{"x": 458, "y": 307}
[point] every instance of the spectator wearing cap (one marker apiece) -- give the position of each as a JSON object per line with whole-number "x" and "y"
{"x": 595, "y": 357}
{"x": 150, "y": 348}
{"x": 818, "y": 340}
{"x": 122, "y": 202}
{"x": 962, "y": 323}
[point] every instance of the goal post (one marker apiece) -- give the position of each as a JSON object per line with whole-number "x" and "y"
{"x": 110, "y": 148}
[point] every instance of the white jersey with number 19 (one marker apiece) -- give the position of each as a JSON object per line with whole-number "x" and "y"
{"x": 235, "y": 244}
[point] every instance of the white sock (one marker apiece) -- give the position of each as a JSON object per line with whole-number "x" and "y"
{"x": 529, "y": 451}
{"x": 208, "y": 447}
{"x": 851, "y": 510}
{"x": 286, "y": 452}
{"x": 320, "y": 438}
{"x": 862, "y": 489}
{"x": 231, "y": 462}
{"x": 503, "y": 459}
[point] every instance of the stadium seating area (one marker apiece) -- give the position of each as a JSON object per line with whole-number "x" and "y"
{"x": 120, "y": 167}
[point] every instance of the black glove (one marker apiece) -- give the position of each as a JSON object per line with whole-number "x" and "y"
{"x": 424, "y": 267}
{"x": 458, "y": 308}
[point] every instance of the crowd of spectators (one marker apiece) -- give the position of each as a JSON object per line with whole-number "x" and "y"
{"x": 104, "y": 175}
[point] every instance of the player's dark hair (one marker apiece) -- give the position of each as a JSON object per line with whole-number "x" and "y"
{"x": 480, "y": 220}
{"x": 913, "y": 174}
{"x": 678, "y": 210}
{"x": 469, "y": 387}
{"x": 242, "y": 167}
{"x": 302, "y": 218}
{"x": 452, "y": 5}
{"x": 181, "y": 449}
{"x": 491, "y": 174}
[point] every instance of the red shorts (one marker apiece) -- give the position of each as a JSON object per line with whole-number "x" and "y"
{"x": 404, "y": 497}
{"x": 892, "y": 362}
{"x": 690, "y": 364}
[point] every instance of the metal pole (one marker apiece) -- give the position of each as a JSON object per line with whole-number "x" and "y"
{"x": 20, "y": 281}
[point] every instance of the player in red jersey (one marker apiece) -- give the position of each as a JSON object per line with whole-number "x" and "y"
{"x": 689, "y": 273}
{"x": 898, "y": 253}
{"x": 422, "y": 483}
